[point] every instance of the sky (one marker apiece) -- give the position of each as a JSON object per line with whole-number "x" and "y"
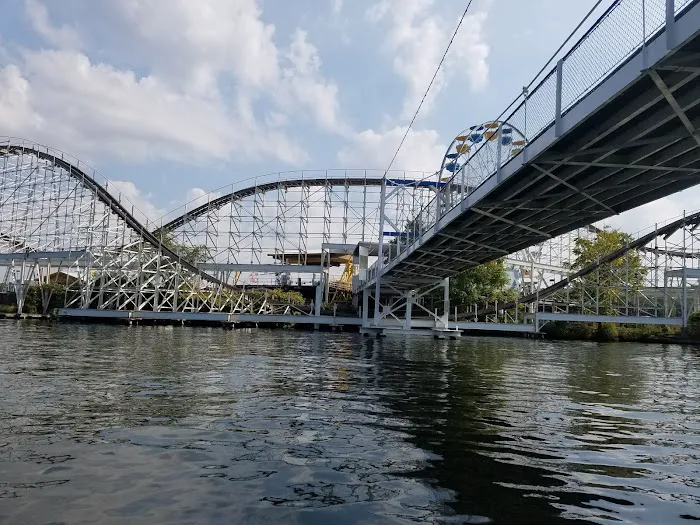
{"x": 170, "y": 99}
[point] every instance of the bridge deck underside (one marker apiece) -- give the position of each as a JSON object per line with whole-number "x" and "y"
{"x": 634, "y": 149}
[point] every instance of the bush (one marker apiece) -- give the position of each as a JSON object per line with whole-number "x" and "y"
{"x": 610, "y": 331}
{"x": 32, "y": 299}
{"x": 566, "y": 330}
{"x": 646, "y": 332}
{"x": 693, "y": 328}
{"x": 288, "y": 297}
{"x": 276, "y": 295}
{"x": 606, "y": 332}
{"x": 7, "y": 309}
{"x": 582, "y": 331}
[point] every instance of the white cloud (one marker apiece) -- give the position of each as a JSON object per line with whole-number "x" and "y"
{"x": 417, "y": 38}
{"x": 304, "y": 84}
{"x": 64, "y": 99}
{"x": 18, "y": 118}
{"x": 212, "y": 85}
{"x": 197, "y": 196}
{"x": 194, "y": 42}
{"x": 472, "y": 51}
{"x": 144, "y": 210}
{"x": 141, "y": 206}
{"x": 61, "y": 37}
{"x": 421, "y": 151}
{"x": 662, "y": 210}
{"x": 201, "y": 44}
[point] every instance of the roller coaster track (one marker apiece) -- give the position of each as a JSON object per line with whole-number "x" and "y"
{"x": 638, "y": 244}
{"x": 247, "y": 191}
{"x": 114, "y": 205}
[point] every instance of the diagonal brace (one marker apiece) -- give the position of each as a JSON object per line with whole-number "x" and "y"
{"x": 674, "y": 104}
{"x": 572, "y": 187}
{"x": 512, "y": 223}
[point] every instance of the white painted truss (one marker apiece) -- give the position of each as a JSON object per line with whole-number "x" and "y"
{"x": 59, "y": 224}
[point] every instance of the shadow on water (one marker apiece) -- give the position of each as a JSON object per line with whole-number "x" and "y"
{"x": 170, "y": 425}
{"x": 453, "y": 395}
{"x": 532, "y": 431}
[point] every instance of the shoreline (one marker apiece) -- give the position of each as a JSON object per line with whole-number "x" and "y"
{"x": 676, "y": 339}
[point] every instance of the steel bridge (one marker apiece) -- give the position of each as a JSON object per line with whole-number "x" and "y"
{"x": 611, "y": 127}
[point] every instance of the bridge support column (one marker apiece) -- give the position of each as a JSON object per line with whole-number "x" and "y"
{"x": 365, "y": 307}
{"x": 380, "y": 255}
{"x": 318, "y": 299}
{"x": 23, "y": 277}
{"x": 684, "y": 284}
{"x": 445, "y": 302}
{"x": 19, "y": 289}
{"x": 684, "y": 298}
{"x": 409, "y": 310}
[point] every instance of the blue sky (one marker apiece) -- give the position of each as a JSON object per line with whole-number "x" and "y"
{"x": 172, "y": 98}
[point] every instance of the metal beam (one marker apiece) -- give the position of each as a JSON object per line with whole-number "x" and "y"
{"x": 646, "y": 167}
{"x": 508, "y": 221}
{"x": 55, "y": 258}
{"x": 450, "y": 257}
{"x": 262, "y": 268}
{"x": 671, "y": 99}
{"x": 339, "y": 247}
{"x": 479, "y": 244}
{"x": 615, "y": 145}
{"x": 509, "y": 261}
{"x": 572, "y": 187}
{"x": 620, "y": 319}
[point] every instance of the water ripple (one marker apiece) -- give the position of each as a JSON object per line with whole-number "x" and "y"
{"x": 145, "y": 425}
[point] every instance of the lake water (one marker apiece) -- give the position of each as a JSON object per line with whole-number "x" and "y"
{"x": 114, "y": 424}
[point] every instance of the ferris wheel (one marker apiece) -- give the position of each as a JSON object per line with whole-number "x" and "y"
{"x": 475, "y": 152}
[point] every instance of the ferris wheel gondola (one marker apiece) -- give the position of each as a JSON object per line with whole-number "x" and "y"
{"x": 475, "y": 153}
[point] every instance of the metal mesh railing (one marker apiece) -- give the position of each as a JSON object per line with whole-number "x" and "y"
{"x": 616, "y": 36}
{"x": 619, "y": 33}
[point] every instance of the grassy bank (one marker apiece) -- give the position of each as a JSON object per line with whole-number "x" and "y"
{"x": 608, "y": 332}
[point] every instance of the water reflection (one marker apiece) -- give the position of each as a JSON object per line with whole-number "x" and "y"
{"x": 209, "y": 426}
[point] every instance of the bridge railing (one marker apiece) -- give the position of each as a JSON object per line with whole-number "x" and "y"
{"x": 626, "y": 27}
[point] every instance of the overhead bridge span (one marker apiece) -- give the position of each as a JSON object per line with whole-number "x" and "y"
{"x": 613, "y": 126}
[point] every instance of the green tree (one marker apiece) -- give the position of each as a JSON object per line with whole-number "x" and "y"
{"x": 611, "y": 282}
{"x": 192, "y": 254}
{"x": 484, "y": 283}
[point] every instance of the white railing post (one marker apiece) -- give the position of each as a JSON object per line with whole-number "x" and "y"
{"x": 499, "y": 154}
{"x": 644, "y": 36}
{"x": 525, "y": 149}
{"x": 557, "y": 114}
{"x": 670, "y": 24}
